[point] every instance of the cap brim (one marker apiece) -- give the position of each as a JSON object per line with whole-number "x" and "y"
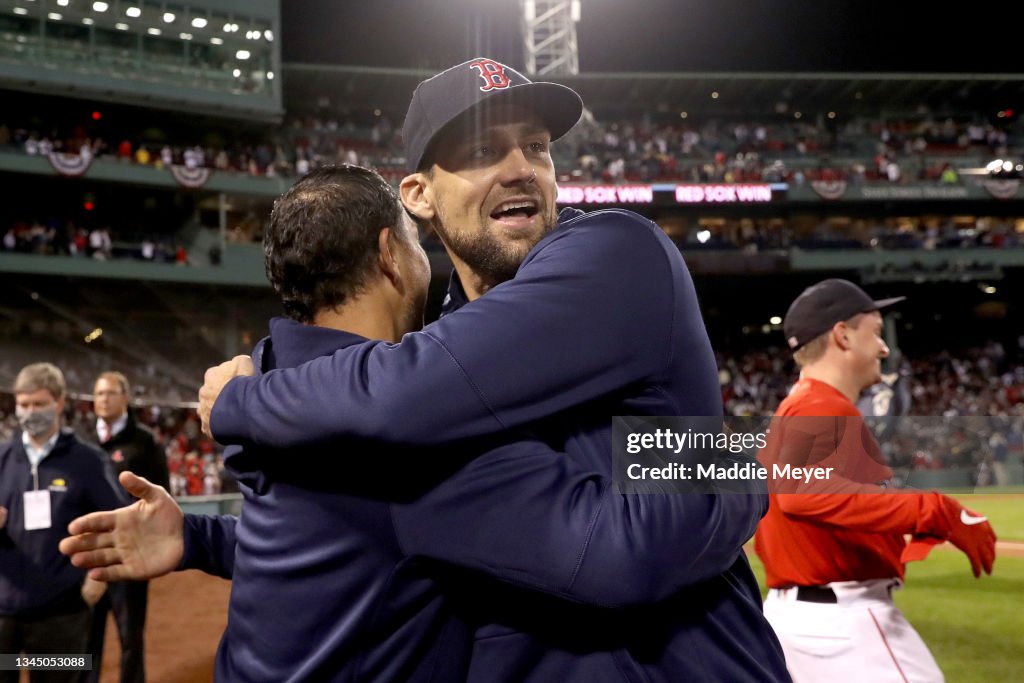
{"x": 558, "y": 107}
{"x": 882, "y": 303}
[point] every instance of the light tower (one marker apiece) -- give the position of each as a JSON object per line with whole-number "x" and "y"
{"x": 549, "y": 37}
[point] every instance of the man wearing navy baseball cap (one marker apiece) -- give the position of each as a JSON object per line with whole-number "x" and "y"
{"x": 821, "y": 306}
{"x": 554, "y": 323}
{"x": 834, "y": 554}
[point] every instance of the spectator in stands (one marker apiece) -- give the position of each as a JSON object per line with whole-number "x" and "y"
{"x": 132, "y": 447}
{"x": 44, "y": 601}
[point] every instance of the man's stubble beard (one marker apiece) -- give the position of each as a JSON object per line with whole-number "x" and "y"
{"x": 492, "y": 260}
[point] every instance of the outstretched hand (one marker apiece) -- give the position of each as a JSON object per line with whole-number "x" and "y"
{"x": 141, "y": 541}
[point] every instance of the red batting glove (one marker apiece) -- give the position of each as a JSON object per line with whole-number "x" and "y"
{"x": 968, "y": 531}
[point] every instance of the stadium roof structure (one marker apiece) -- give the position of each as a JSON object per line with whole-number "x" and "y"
{"x": 704, "y": 93}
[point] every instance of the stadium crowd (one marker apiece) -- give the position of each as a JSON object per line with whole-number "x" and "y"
{"x": 783, "y": 149}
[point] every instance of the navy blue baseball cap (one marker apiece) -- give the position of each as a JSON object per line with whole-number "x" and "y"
{"x": 439, "y": 100}
{"x": 821, "y": 306}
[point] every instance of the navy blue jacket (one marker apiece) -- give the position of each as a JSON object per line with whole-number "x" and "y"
{"x": 35, "y": 578}
{"x": 383, "y": 618}
{"x": 601, "y": 319}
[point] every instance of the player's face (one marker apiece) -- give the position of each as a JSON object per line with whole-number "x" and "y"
{"x": 869, "y": 347}
{"x": 493, "y": 190}
{"x": 109, "y": 400}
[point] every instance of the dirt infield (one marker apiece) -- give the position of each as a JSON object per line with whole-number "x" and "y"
{"x": 186, "y": 615}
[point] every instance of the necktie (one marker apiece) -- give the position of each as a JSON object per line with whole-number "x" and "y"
{"x": 104, "y": 432}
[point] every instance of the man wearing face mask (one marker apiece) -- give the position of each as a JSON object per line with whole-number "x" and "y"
{"x": 47, "y": 478}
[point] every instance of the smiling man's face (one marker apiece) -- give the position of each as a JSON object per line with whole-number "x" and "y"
{"x": 492, "y": 190}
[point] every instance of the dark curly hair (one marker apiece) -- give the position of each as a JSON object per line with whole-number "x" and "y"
{"x": 322, "y": 241}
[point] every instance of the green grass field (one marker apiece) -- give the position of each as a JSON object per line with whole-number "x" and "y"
{"x": 974, "y": 627}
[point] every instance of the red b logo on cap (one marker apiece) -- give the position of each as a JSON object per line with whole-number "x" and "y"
{"x": 492, "y": 73}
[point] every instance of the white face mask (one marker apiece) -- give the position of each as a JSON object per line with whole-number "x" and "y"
{"x": 36, "y": 423}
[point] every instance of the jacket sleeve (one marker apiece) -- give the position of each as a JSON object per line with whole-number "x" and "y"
{"x": 590, "y": 312}
{"x": 536, "y": 518}
{"x": 849, "y": 498}
{"x": 210, "y": 544}
{"x": 870, "y": 509}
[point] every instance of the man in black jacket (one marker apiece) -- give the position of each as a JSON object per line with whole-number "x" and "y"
{"x": 131, "y": 447}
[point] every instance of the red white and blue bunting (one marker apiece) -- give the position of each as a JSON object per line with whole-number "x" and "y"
{"x": 829, "y": 189}
{"x": 192, "y": 178}
{"x": 72, "y": 165}
{"x": 1002, "y": 189}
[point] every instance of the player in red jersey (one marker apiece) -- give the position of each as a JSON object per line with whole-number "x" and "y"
{"x": 833, "y": 543}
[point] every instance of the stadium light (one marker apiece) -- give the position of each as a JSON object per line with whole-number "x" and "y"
{"x": 121, "y": 26}
{"x": 269, "y": 35}
{"x": 134, "y": 12}
{"x": 703, "y": 236}
{"x": 242, "y": 54}
{"x": 216, "y": 41}
{"x": 100, "y": 6}
{"x": 94, "y": 335}
{"x": 775, "y": 320}
{"x": 63, "y": 3}
{"x": 199, "y": 22}
{"x": 20, "y": 10}
{"x": 236, "y": 73}
{"x": 270, "y": 75}
{"x": 54, "y": 16}
{"x": 683, "y": 114}
{"x": 169, "y": 17}
{"x": 154, "y": 31}
{"x": 88, "y": 21}
{"x": 185, "y": 36}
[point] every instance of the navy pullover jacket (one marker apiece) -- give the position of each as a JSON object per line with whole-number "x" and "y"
{"x": 35, "y": 579}
{"x": 601, "y": 319}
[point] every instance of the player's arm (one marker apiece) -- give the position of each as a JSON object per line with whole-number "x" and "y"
{"x": 149, "y": 538}
{"x": 591, "y": 312}
{"x": 846, "y": 503}
{"x": 535, "y": 518}
{"x": 209, "y": 544}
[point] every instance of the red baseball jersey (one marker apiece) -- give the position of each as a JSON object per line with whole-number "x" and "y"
{"x": 846, "y": 526}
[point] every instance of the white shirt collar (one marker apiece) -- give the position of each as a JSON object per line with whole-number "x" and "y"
{"x": 116, "y": 427}
{"x": 36, "y": 455}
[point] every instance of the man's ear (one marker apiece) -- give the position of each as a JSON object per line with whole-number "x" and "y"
{"x": 841, "y": 335}
{"x": 417, "y": 195}
{"x": 387, "y": 256}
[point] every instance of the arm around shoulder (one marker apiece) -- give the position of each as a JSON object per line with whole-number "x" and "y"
{"x": 589, "y": 312}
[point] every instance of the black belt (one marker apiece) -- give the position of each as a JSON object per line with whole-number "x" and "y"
{"x": 816, "y": 594}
